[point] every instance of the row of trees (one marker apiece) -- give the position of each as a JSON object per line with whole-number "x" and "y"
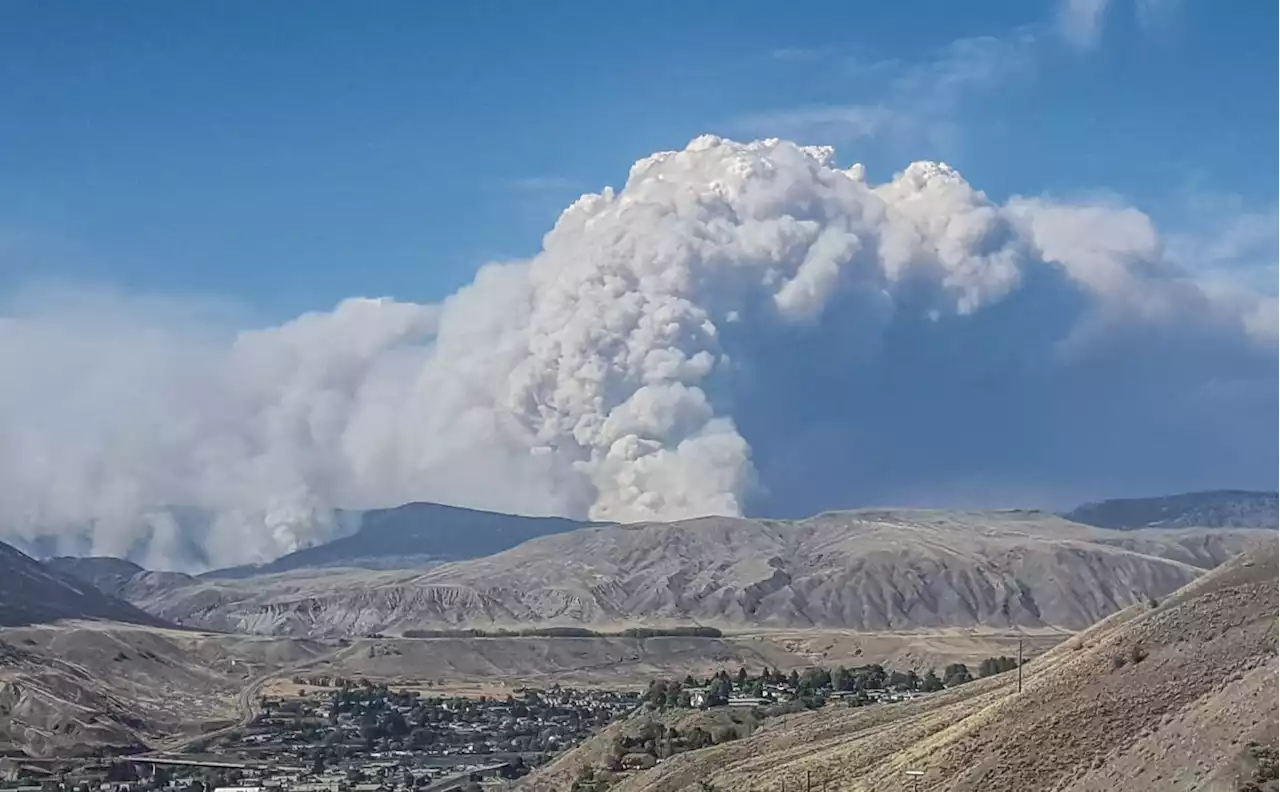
{"x": 817, "y": 681}
{"x": 650, "y": 743}
{"x": 570, "y": 632}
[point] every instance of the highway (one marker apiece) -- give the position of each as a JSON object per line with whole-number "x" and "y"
{"x": 246, "y": 703}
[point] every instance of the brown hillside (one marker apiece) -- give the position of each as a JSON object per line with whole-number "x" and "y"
{"x": 1182, "y": 696}
{"x": 869, "y": 571}
{"x": 76, "y": 687}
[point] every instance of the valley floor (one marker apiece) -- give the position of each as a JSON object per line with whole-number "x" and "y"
{"x": 81, "y": 685}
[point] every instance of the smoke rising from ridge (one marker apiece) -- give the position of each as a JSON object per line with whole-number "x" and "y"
{"x": 740, "y": 328}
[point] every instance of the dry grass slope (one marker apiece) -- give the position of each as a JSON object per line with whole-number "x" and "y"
{"x": 75, "y": 687}
{"x": 1182, "y": 696}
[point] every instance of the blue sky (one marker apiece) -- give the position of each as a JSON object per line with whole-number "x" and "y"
{"x": 285, "y": 160}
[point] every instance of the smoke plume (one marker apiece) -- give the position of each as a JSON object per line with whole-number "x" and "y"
{"x": 740, "y": 328}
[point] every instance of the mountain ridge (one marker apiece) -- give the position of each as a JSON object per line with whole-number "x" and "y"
{"x": 1204, "y": 509}
{"x": 873, "y": 571}
{"x": 34, "y": 593}
{"x": 411, "y": 535}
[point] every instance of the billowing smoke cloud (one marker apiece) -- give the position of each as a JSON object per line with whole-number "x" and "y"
{"x": 741, "y": 328}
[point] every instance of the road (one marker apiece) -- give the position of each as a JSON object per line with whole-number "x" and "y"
{"x": 459, "y": 779}
{"x": 246, "y": 703}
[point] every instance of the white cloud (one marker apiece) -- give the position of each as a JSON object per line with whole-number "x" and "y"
{"x": 1222, "y": 238}
{"x": 824, "y": 123}
{"x": 920, "y": 102}
{"x": 1082, "y": 22}
{"x": 739, "y": 321}
{"x": 912, "y": 103}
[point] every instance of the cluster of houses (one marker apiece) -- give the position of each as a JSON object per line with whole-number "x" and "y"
{"x": 147, "y": 774}
{"x": 405, "y": 738}
{"x": 778, "y": 694}
{"x": 817, "y": 686}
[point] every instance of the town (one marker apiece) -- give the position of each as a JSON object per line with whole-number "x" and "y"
{"x": 340, "y": 734}
{"x": 324, "y": 734}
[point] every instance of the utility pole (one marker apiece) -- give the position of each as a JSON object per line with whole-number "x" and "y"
{"x": 807, "y": 786}
{"x": 1019, "y": 665}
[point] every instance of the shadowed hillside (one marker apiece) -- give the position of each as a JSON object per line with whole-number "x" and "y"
{"x": 414, "y": 535}
{"x": 1213, "y": 509}
{"x": 105, "y": 573}
{"x": 32, "y": 593}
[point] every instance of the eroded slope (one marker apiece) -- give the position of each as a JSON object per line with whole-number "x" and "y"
{"x": 868, "y": 571}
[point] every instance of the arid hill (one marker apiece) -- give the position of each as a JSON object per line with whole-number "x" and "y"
{"x": 863, "y": 570}
{"x": 1178, "y": 695}
{"x": 76, "y": 687}
{"x": 32, "y": 593}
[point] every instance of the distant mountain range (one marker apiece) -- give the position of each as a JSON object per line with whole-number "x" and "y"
{"x": 881, "y": 570}
{"x": 414, "y": 535}
{"x": 426, "y": 565}
{"x": 32, "y": 593}
{"x": 1212, "y": 509}
{"x": 109, "y": 575}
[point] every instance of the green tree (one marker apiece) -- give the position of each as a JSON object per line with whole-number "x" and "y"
{"x": 657, "y": 695}
{"x": 930, "y": 683}
{"x": 899, "y": 681}
{"x": 718, "y": 692}
{"x": 956, "y": 674}
{"x": 840, "y": 679}
{"x": 674, "y": 691}
{"x": 996, "y": 665}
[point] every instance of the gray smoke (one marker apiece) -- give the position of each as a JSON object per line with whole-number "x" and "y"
{"x": 741, "y": 327}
